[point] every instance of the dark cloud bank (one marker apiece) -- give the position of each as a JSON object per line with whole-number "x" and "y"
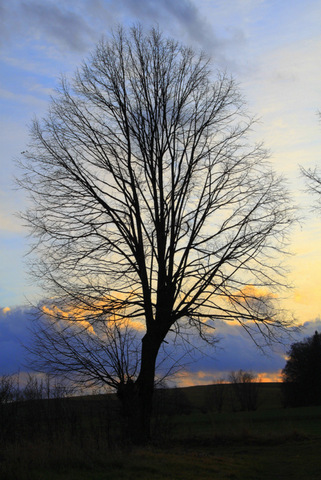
{"x": 14, "y": 334}
{"x": 235, "y": 349}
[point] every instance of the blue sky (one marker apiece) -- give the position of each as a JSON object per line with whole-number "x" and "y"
{"x": 272, "y": 48}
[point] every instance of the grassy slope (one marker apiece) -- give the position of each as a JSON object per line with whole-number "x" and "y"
{"x": 270, "y": 443}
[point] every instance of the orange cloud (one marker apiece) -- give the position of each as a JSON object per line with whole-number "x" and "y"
{"x": 257, "y": 299}
{"x": 136, "y": 325}
{"x": 251, "y": 291}
{"x": 75, "y": 315}
{"x": 191, "y": 379}
{"x": 79, "y": 315}
{"x": 270, "y": 377}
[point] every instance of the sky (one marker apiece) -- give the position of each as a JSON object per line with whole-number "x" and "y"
{"x": 271, "y": 47}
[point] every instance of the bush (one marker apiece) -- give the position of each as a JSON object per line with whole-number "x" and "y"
{"x": 302, "y": 373}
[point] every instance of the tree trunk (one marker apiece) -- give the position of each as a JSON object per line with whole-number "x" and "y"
{"x": 137, "y": 398}
{"x": 145, "y": 382}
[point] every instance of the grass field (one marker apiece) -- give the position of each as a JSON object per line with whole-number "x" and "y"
{"x": 194, "y": 440}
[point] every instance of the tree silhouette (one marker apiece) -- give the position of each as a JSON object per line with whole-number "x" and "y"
{"x": 245, "y": 389}
{"x": 302, "y": 373}
{"x": 149, "y": 203}
{"x": 313, "y": 182}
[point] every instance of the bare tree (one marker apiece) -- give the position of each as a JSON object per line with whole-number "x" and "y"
{"x": 8, "y": 389}
{"x": 313, "y": 181}
{"x": 245, "y": 388}
{"x": 106, "y": 356}
{"x": 149, "y": 203}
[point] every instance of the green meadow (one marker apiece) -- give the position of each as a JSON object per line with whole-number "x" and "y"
{"x": 198, "y": 433}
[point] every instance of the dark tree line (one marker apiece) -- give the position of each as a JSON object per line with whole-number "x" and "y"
{"x": 302, "y": 373}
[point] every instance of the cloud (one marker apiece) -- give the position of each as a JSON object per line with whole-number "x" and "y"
{"x": 235, "y": 350}
{"x": 45, "y": 21}
{"x": 75, "y": 316}
{"x": 183, "y": 13}
{"x": 189, "y": 379}
{"x": 30, "y": 100}
{"x": 13, "y": 335}
{"x": 62, "y": 25}
{"x": 187, "y": 21}
{"x": 204, "y": 365}
{"x": 311, "y": 326}
{"x": 85, "y": 313}
{"x": 76, "y": 26}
